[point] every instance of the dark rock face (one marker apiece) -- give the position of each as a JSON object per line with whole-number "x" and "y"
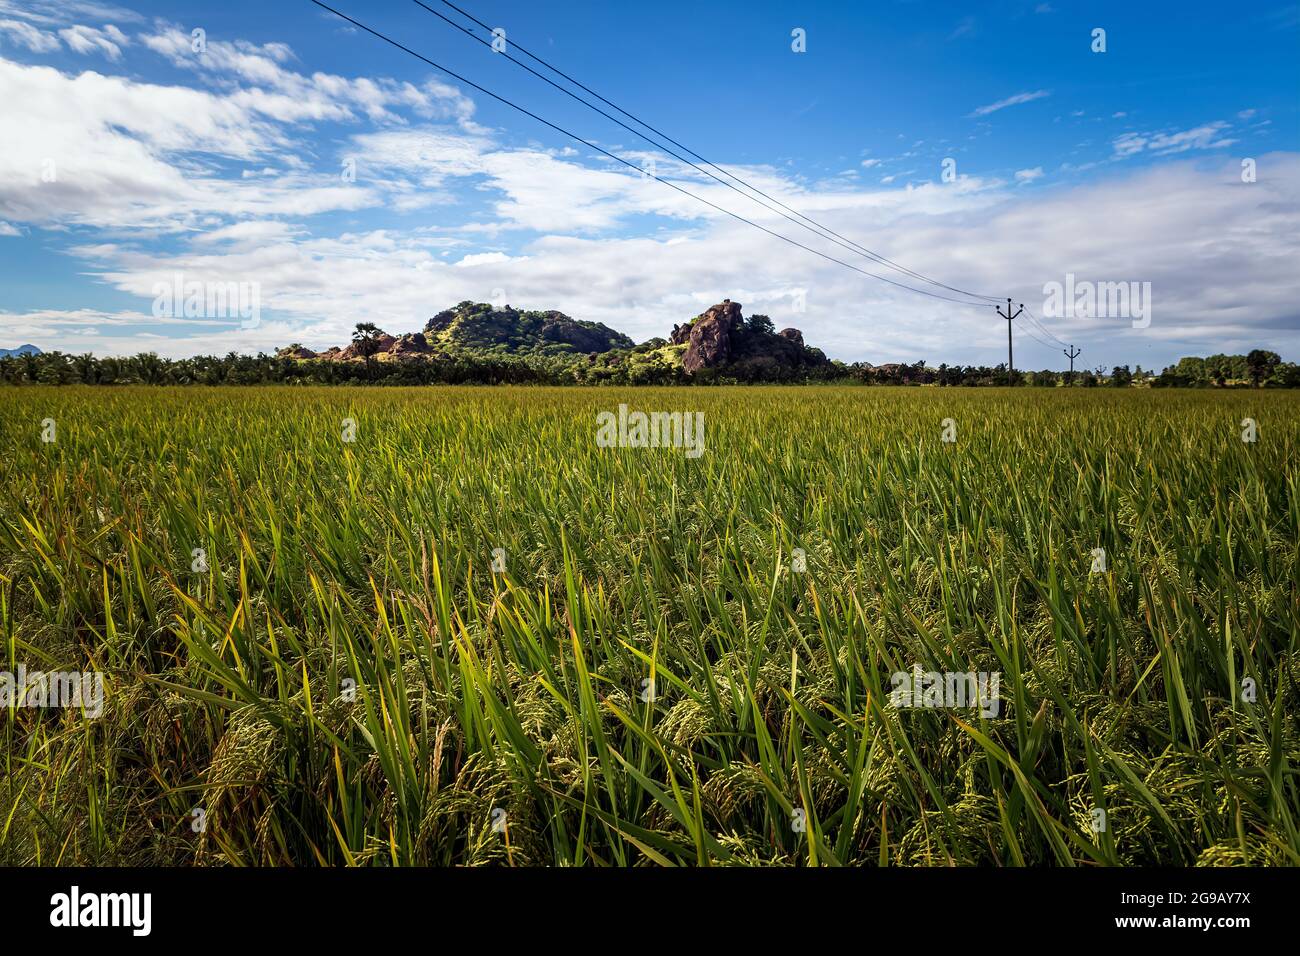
{"x": 750, "y": 350}
{"x": 558, "y": 327}
{"x": 412, "y": 343}
{"x": 296, "y": 352}
{"x": 710, "y": 337}
{"x": 383, "y": 343}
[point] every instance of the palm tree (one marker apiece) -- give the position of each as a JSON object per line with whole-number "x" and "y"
{"x": 366, "y": 340}
{"x": 86, "y": 368}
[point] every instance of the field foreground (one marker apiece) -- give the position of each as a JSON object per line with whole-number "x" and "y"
{"x": 446, "y": 626}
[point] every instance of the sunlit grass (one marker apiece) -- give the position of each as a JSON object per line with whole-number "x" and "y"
{"x": 350, "y": 682}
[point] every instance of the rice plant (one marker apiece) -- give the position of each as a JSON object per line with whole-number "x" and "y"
{"x": 447, "y": 627}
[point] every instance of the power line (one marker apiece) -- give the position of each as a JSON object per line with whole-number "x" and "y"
{"x": 589, "y": 145}
{"x": 1042, "y": 328}
{"x": 825, "y": 231}
{"x": 821, "y": 232}
{"x": 1029, "y": 331}
{"x": 1038, "y": 332}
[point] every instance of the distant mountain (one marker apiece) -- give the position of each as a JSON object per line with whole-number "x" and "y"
{"x": 21, "y": 350}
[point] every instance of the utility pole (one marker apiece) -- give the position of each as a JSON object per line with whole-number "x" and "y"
{"x": 1073, "y": 353}
{"x": 1011, "y": 367}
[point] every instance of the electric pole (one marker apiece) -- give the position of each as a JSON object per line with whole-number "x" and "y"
{"x": 1011, "y": 367}
{"x": 1073, "y": 353}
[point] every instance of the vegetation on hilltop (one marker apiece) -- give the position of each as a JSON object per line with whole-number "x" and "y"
{"x": 478, "y": 327}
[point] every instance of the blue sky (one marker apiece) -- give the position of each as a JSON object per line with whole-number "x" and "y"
{"x": 139, "y": 159}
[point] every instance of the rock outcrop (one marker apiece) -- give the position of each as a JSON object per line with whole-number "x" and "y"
{"x": 720, "y": 338}
{"x": 383, "y": 343}
{"x": 295, "y": 352}
{"x": 412, "y": 343}
{"x": 709, "y": 337}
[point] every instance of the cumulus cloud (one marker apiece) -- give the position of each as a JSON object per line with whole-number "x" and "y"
{"x": 106, "y": 151}
{"x": 111, "y": 152}
{"x": 1029, "y": 175}
{"x": 1214, "y": 249}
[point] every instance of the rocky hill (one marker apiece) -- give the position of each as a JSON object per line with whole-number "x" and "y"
{"x": 721, "y": 338}
{"x": 720, "y": 342}
{"x": 479, "y": 326}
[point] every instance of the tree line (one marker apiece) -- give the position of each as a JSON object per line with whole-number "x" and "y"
{"x": 640, "y": 366}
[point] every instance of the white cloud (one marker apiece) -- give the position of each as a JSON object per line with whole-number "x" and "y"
{"x": 83, "y": 39}
{"x": 106, "y": 151}
{"x": 1215, "y": 251}
{"x": 24, "y": 34}
{"x": 1015, "y": 100}
{"x": 248, "y": 231}
{"x": 58, "y": 12}
{"x": 282, "y": 94}
{"x": 7, "y": 230}
{"x": 1029, "y": 175}
{"x": 1208, "y": 136}
{"x": 483, "y": 259}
